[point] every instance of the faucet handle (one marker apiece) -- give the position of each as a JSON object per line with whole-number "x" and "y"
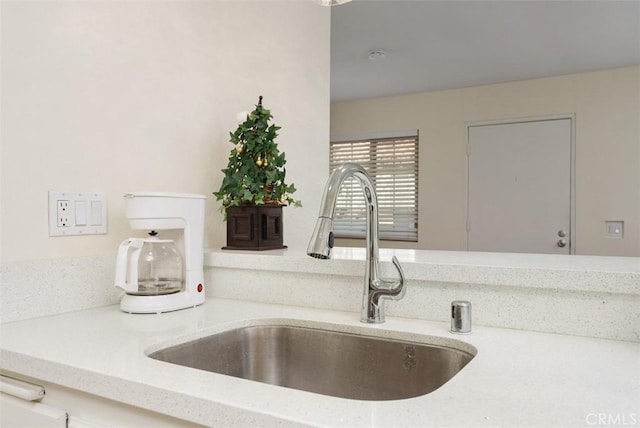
{"x": 400, "y": 284}
{"x": 392, "y": 289}
{"x": 380, "y": 289}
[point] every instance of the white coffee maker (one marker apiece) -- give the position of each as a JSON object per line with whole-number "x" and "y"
{"x": 164, "y": 272}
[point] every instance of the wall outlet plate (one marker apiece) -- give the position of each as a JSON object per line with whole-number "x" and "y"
{"x": 614, "y": 228}
{"x": 77, "y": 213}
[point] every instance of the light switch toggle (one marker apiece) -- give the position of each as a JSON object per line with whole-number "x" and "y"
{"x": 96, "y": 213}
{"x": 81, "y": 213}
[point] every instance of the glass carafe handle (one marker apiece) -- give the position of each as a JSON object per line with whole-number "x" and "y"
{"x": 127, "y": 264}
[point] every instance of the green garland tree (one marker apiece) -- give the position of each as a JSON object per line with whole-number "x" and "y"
{"x": 255, "y": 174}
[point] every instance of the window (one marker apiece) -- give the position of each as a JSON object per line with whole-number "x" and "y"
{"x": 392, "y": 163}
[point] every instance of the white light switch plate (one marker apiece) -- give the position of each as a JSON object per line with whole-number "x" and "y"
{"x": 77, "y": 213}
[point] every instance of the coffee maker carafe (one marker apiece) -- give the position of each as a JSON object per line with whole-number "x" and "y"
{"x": 160, "y": 274}
{"x": 149, "y": 267}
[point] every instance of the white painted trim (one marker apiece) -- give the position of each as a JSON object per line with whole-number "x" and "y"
{"x": 514, "y": 120}
{"x": 374, "y": 136}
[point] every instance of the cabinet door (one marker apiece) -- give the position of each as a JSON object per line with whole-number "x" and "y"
{"x": 18, "y": 413}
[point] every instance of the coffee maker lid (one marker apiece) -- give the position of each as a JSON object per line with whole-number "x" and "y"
{"x": 164, "y": 195}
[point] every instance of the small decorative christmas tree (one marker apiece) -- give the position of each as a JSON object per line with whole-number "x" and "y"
{"x": 255, "y": 174}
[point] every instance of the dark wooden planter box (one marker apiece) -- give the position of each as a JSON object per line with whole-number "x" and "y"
{"x": 254, "y": 227}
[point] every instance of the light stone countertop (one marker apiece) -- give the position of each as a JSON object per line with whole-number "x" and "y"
{"x": 558, "y": 272}
{"x": 517, "y": 378}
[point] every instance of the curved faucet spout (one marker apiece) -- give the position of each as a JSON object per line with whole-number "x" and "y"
{"x": 376, "y": 289}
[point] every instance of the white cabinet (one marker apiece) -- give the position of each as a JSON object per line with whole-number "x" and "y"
{"x": 21, "y": 406}
{"x": 64, "y": 407}
{"x": 18, "y": 413}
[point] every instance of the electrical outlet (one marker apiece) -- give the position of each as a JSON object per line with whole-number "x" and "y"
{"x": 77, "y": 213}
{"x": 62, "y": 213}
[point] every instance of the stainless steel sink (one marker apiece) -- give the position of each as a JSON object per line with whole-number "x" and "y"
{"x": 323, "y": 361}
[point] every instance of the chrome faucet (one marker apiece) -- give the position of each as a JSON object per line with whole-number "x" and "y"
{"x": 376, "y": 289}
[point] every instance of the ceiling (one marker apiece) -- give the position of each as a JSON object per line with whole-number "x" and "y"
{"x": 434, "y": 45}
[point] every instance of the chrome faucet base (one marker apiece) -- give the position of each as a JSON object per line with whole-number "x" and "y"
{"x": 376, "y": 289}
{"x": 380, "y": 290}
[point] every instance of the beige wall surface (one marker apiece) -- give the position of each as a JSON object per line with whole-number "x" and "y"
{"x": 606, "y": 107}
{"x": 141, "y": 96}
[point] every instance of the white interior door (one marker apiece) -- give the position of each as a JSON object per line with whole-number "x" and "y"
{"x": 519, "y": 189}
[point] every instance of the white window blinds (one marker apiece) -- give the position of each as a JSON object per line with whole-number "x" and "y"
{"x": 392, "y": 163}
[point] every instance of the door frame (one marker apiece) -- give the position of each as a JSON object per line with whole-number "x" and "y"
{"x": 572, "y": 167}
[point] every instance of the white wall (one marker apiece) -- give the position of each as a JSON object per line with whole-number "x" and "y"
{"x": 606, "y": 105}
{"x": 129, "y": 96}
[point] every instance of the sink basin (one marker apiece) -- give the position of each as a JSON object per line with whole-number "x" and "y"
{"x": 328, "y": 362}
